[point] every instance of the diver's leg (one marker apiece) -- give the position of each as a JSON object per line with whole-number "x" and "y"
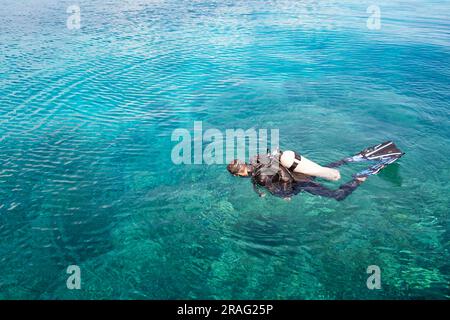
{"x": 339, "y": 194}
{"x": 337, "y": 163}
{"x": 341, "y": 162}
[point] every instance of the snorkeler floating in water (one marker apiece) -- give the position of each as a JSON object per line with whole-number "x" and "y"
{"x": 287, "y": 173}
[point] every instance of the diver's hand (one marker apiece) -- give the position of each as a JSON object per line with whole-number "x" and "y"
{"x": 361, "y": 179}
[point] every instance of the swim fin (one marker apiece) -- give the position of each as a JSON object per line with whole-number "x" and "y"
{"x": 380, "y": 151}
{"x": 376, "y": 168}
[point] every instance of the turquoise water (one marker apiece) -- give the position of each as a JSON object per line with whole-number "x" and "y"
{"x": 86, "y": 176}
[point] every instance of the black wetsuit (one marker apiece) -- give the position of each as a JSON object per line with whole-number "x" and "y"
{"x": 280, "y": 182}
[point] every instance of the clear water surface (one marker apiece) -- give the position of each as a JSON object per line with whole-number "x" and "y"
{"x": 86, "y": 178}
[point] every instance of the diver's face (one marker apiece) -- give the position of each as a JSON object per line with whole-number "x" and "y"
{"x": 243, "y": 172}
{"x": 238, "y": 168}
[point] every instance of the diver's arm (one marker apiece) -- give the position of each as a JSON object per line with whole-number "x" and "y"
{"x": 256, "y": 189}
{"x": 337, "y": 163}
{"x": 340, "y": 194}
{"x": 303, "y": 165}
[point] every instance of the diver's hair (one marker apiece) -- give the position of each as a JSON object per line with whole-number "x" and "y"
{"x": 234, "y": 166}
